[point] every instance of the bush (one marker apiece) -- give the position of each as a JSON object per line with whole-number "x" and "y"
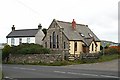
{"x": 5, "y": 52}
{"x": 29, "y": 49}
{"x": 112, "y": 50}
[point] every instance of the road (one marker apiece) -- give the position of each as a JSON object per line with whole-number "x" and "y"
{"x": 37, "y": 71}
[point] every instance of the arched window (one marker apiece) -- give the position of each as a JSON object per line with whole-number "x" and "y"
{"x": 57, "y": 41}
{"x": 92, "y": 47}
{"x": 64, "y": 45}
{"x": 50, "y": 42}
{"x": 75, "y": 46}
{"x": 54, "y": 40}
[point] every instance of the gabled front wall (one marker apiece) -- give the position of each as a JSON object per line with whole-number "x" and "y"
{"x": 98, "y": 46}
{"x": 72, "y": 47}
{"x": 94, "y": 50}
{"x": 24, "y": 40}
{"x": 39, "y": 36}
{"x": 54, "y": 27}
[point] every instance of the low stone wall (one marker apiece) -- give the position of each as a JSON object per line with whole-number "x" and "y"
{"x": 34, "y": 58}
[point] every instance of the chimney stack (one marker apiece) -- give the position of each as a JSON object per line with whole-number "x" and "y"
{"x": 13, "y": 28}
{"x": 73, "y": 24}
{"x": 39, "y": 26}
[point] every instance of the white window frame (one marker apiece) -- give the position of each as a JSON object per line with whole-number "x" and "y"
{"x": 20, "y": 40}
{"x": 12, "y": 41}
{"x": 28, "y": 40}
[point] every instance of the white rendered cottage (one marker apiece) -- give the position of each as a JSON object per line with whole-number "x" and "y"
{"x": 16, "y": 37}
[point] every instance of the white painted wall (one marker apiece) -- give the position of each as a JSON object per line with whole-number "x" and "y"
{"x": 39, "y": 36}
{"x": 98, "y": 46}
{"x": 24, "y": 40}
{"x": 79, "y": 47}
{"x": 94, "y": 48}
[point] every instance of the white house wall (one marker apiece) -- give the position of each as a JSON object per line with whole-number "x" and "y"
{"x": 98, "y": 46}
{"x": 24, "y": 40}
{"x": 94, "y": 48}
{"x": 39, "y": 36}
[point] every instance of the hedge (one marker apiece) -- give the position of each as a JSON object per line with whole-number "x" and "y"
{"x": 24, "y": 49}
{"x": 29, "y": 49}
{"x": 112, "y": 50}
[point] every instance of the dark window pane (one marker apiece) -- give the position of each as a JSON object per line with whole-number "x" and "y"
{"x": 64, "y": 45}
{"x": 92, "y": 47}
{"x": 50, "y": 42}
{"x": 46, "y": 44}
{"x": 57, "y": 41}
{"x": 75, "y": 45}
{"x": 54, "y": 40}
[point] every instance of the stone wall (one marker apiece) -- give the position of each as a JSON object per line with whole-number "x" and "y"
{"x": 54, "y": 27}
{"x": 34, "y": 58}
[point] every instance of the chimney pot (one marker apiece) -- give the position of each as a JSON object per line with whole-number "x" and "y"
{"x": 13, "y": 28}
{"x": 39, "y": 26}
{"x": 73, "y": 24}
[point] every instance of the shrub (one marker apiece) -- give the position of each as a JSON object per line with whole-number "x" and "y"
{"x": 29, "y": 49}
{"x": 112, "y": 50}
{"x": 5, "y": 52}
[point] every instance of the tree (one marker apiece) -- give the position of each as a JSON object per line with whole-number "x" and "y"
{"x": 44, "y": 31}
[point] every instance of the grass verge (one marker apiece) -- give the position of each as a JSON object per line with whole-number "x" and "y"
{"x": 109, "y": 57}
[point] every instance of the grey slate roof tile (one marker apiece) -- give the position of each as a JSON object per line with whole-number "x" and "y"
{"x": 23, "y": 33}
{"x": 72, "y": 34}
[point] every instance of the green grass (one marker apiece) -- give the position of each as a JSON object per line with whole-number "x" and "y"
{"x": 1, "y": 75}
{"x": 101, "y": 59}
{"x": 108, "y": 57}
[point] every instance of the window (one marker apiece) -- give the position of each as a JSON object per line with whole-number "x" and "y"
{"x": 92, "y": 47}
{"x": 57, "y": 41}
{"x": 54, "y": 40}
{"x": 64, "y": 45}
{"x": 50, "y": 42}
{"x": 20, "y": 40}
{"x": 90, "y": 35}
{"x": 46, "y": 44}
{"x": 28, "y": 40}
{"x": 75, "y": 46}
{"x": 12, "y": 41}
{"x": 82, "y": 34}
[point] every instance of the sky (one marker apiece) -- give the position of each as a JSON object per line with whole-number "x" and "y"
{"x": 101, "y": 16}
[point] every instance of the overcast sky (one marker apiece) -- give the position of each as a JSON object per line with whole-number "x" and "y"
{"x": 101, "y": 16}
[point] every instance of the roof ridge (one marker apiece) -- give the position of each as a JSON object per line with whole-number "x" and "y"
{"x": 25, "y": 29}
{"x": 71, "y": 23}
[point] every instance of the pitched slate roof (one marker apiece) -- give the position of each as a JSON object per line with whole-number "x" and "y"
{"x": 23, "y": 33}
{"x": 76, "y": 34}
